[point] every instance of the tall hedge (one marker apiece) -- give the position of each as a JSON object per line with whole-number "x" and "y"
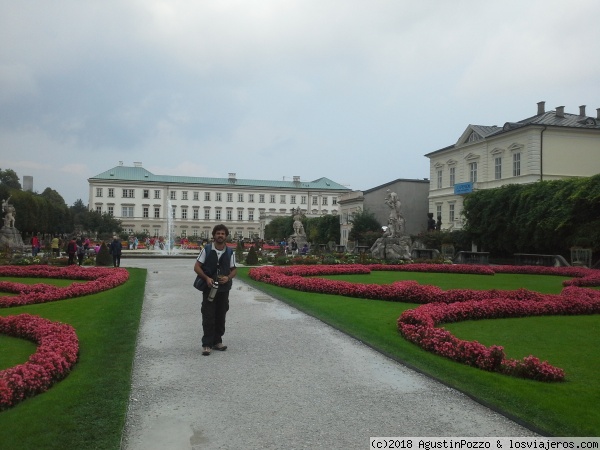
{"x": 542, "y": 217}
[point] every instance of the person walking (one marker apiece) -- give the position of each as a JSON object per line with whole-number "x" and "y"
{"x": 80, "y": 252}
{"x": 115, "y": 250}
{"x": 71, "y": 251}
{"x": 55, "y": 245}
{"x": 35, "y": 245}
{"x": 216, "y": 262}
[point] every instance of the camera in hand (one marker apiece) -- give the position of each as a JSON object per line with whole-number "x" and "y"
{"x": 213, "y": 291}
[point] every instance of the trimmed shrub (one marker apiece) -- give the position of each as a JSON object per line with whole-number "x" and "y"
{"x": 103, "y": 258}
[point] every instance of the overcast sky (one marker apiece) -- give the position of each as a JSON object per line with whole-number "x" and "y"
{"x": 356, "y": 91}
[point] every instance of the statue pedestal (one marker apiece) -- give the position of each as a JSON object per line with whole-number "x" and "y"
{"x": 11, "y": 238}
{"x": 391, "y": 248}
{"x": 300, "y": 240}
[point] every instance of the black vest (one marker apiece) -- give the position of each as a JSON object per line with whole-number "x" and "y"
{"x": 212, "y": 263}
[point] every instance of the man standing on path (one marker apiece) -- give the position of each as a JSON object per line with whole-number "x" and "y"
{"x": 216, "y": 262}
{"x": 115, "y": 250}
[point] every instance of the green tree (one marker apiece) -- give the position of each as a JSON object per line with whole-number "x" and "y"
{"x": 10, "y": 179}
{"x": 279, "y": 228}
{"x": 324, "y": 229}
{"x": 364, "y": 224}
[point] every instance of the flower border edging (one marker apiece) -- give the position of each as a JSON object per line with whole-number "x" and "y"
{"x": 57, "y": 352}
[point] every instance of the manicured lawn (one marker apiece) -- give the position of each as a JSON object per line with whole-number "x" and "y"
{"x": 570, "y": 342}
{"x": 88, "y": 408}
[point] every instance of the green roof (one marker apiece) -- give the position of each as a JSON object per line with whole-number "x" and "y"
{"x": 125, "y": 173}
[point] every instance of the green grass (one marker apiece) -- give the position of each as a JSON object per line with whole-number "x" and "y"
{"x": 559, "y": 409}
{"x": 88, "y": 408}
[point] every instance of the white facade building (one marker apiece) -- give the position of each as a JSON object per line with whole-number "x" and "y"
{"x": 548, "y": 146}
{"x": 142, "y": 200}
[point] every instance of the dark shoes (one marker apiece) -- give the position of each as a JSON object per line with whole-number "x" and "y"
{"x": 205, "y": 351}
{"x": 220, "y": 347}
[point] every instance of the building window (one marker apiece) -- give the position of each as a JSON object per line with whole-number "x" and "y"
{"x": 196, "y": 195}
{"x": 157, "y": 213}
{"x": 516, "y": 164}
{"x": 111, "y": 210}
{"x": 272, "y": 198}
{"x": 146, "y": 231}
{"x": 334, "y": 201}
{"x": 250, "y": 198}
{"x": 498, "y": 168}
{"x": 146, "y": 193}
{"x": 127, "y": 211}
{"x": 173, "y": 195}
{"x": 195, "y": 233}
{"x": 282, "y": 199}
{"x": 196, "y": 214}
{"x": 324, "y": 200}
{"x": 451, "y": 213}
{"x": 184, "y": 195}
{"x": 261, "y": 198}
{"x": 229, "y": 215}
{"x": 173, "y": 211}
{"x": 207, "y": 214}
{"x": 207, "y": 196}
{"x": 240, "y": 198}
{"x": 473, "y": 172}
{"x": 438, "y": 211}
{"x": 127, "y": 193}
{"x": 145, "y": 213}
{"x": 184, "y": 233}
{"x": 111, "y": 192}
{"x": 439, "y": 179}
{"x": 229, "y": 197}
{"x": 240, "y": 215}
{"x": 184, "y": 213}
{"x": 293, "y": 199}
{"x": 99, "y": 209}
{"x": 218, "y": 214}
{"x": 303, "y": 199}
{"x": 157, "y": 194}
{"x": 250, "y": 215}
{"x": 218, "y": 197}
{"x": 315, "y": 200}
{"x": 98, "y": 192}
{"x": 452, "y": 176}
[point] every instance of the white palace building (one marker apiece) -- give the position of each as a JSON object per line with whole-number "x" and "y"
{"x": 550, "y": 145}
{"x": 142, "y": 200}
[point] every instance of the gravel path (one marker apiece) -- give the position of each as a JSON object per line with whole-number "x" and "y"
{"x": 286, "y": 381}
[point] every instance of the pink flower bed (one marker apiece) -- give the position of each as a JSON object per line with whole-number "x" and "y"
{"x": 58, "y": 345}
{"x": 56, "y": 354}
{"x": 97, "y": 279}
{"x": 420, "y": 325}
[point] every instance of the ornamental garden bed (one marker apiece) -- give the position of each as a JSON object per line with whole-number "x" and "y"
{"x": 57, "y": 343}
{"x": 421, "y": 325}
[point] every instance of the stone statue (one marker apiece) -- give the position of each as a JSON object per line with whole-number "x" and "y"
{"x": 10, "y": 213}
{"x": 430, "y": 222}
{"x": 9, "y": 235}
{"x": 298, "y": 227}
{"x": 395, "y": 220}
{"x": 394, "y": 243}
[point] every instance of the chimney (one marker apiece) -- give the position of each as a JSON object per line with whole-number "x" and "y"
{"x": 541, "y": 108}
{"x": 598, "y": 113}
{"x": 296, "y": 179}
{"x": 232, "y": 177}
{"x": 582, "y": 110}
{"x": 560, "y": 111}
{"x": 137, "y": 164}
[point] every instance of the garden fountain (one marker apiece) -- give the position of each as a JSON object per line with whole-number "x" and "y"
{"x": 169, "y": 239}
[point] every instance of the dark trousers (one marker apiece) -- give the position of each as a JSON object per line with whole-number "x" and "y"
{"x": 213, "y": 318}
{"x": 116, "y": 260}
{"x": 71, "y": 259}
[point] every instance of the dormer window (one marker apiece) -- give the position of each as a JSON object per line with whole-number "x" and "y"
{"x": 473, "y": 137}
